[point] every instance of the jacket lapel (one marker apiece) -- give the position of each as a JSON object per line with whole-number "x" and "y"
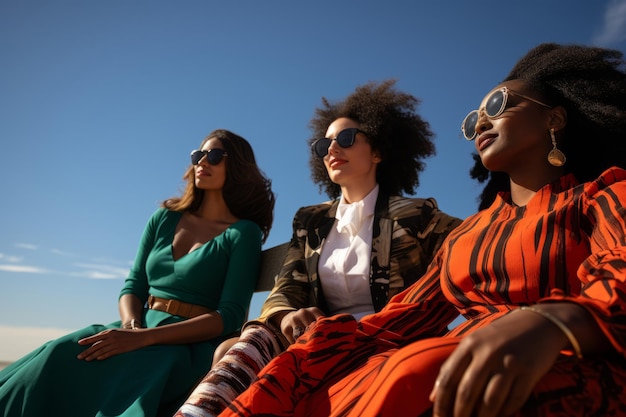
{"x": 381, "y": 253}
{"x": 317, "y": 234}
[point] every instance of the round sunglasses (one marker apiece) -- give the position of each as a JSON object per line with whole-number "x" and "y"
{"x": 213, "y": 156}
{"x": 495, "y": 106}
{"x": 345, "y": 139}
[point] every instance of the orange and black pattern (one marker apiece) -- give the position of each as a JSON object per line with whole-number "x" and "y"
{"x": 567, "y": 243}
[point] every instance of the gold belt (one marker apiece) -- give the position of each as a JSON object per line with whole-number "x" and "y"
{"x": 177, "y": 308}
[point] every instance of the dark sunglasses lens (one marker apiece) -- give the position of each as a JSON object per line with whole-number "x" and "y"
{"x": 495, "y": 104}
{"x": 321, "y": 147}
{"x": 196, "y": 156}
{"x": 215, "y": 156}
{"x": 345, "y": 138}
{"x": 469, "y": 125}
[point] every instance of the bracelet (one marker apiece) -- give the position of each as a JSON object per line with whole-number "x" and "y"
{"x": 132, "y": 324}
{"x": 558, "y": 323}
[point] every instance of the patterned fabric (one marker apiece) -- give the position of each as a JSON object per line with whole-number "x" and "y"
{"x": 236, "y": 371}
{"x": 407, "y": 233}
{"x": 568, "y": 243}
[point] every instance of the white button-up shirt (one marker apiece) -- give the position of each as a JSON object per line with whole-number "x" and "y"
{"x": 344, "y": 264}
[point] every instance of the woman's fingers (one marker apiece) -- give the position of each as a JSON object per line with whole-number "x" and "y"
{"x": 445, "y": 390}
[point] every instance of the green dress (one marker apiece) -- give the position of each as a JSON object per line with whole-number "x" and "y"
{"x": 155, "y": 380}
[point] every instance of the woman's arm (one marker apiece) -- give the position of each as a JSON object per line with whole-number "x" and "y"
{"x": 131, "y": 311}
{"x": 115, "y": 341}
{"x": 291, "y": 289}
{"x": 495, "y": 368}
{"x": 239, "y": 281}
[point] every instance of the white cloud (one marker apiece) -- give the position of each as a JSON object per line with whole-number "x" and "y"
{"x": 98, "y": 271}
{"x": 23, "y": 269}
{"x": 101, "y": 260}
{"x": 102, "y": 275}
{"x": 61, "y": 253}
{"x": 102, "y": 269}
{"x": 26, "y": 246}
{"x": 10, "y": 258}
{"x": 614, "y": 26}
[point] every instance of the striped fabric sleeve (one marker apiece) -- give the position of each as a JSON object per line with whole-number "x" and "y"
{"x": 419, "y": 311}
{"x": 603, "y": 273}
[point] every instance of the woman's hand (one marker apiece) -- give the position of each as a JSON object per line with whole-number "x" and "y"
{"x": 494, "y": 369}
{"x": 112, "y": 342}
{"x": 294, "y": 323}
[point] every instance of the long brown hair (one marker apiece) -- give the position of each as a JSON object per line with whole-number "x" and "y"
{"x": 247, "y": 191}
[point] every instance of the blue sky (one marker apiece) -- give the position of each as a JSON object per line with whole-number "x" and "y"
{"x": 102, "y": 101}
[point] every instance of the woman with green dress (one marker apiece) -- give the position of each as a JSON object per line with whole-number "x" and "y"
{"x": 189, "y": 288}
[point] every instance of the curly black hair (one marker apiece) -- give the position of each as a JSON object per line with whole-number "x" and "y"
{"x": 590, "y": 83}
{"x": 393, "y": 128}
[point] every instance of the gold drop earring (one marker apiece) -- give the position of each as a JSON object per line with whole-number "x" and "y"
{"x": 555, "y": 156}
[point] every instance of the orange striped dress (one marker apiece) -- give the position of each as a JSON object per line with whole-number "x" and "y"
{"x": 568, "y": 243}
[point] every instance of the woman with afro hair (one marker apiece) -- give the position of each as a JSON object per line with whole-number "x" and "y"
{"x": 539, "y": 273}
{"x": 349, "y": 255}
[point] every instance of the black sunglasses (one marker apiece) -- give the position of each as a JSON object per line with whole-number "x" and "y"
{"x": 345, "y": 139}
{"x": 213, "y": 156}
{"x": 495, "y": 106}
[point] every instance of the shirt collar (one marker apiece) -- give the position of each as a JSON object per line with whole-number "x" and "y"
{"x": 350, "y": 217}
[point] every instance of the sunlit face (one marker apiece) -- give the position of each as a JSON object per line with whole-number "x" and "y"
{"x": 352, "y": 166}
{"x": 207, "y": 176}
{"x": 518, "y": 136}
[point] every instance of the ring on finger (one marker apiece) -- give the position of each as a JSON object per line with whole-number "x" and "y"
{"x": 297, "y": 331}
